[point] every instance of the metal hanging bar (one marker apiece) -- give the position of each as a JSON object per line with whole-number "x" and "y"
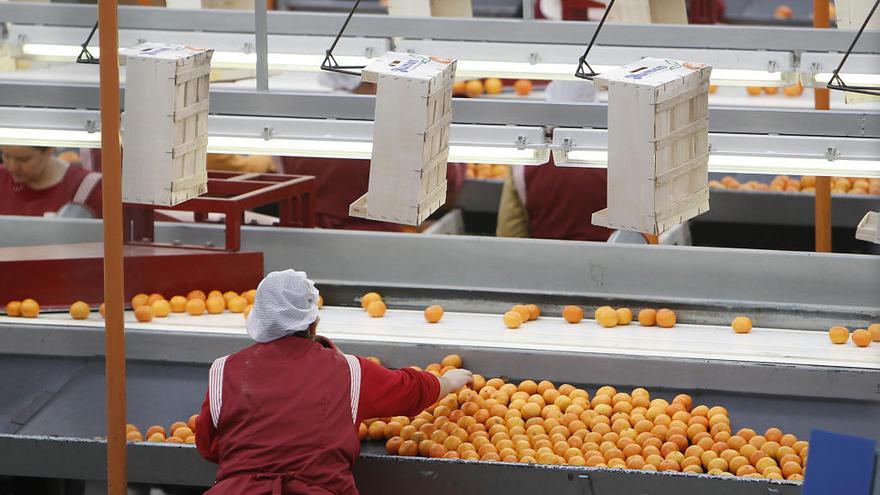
{"x": 330, "y": 63}
{"x": 582, "y": 61}
{"x": 85, "y": 57}
{"x": 836, "y": 83}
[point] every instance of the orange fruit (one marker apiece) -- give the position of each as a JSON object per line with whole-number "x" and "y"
{"x": 434, "y": 313}
{"x": 247, "y": 311}
{"x": 458, "y": 87}
{"x": 143, "y": 313}
{"x": 237, "y": 304}
{"x": 741, "y": 324}
{"x": 534, "y": 311}
{"x": 607, "y": 317}
{"x": 453, "y": 360}
{"x": 624, "y": 316}
{"x": 794, "y": 90}
{"x": 861, "y": 337}
{"x": 523, "y": 311}
{"x": 134, "y": 436}
{"x": 154, "y": 297}
{"x": 155, "y": 429}
{"x": 513, "y": 319}
{"x": 250, "y": 295}
{"x": 130, "y": 427}
{"x": 195, "y": 306}
{"x": 753, "y": 90}
{"x": 190, "y": 440}
{"x": 369, "y": 298}
{"x": 573, "y": 314}
{"x": 173, "y": 440}
{"x": 473, "y": 88}
{"x": 522, "y": 87}
{"x": 215, "y": 293}
{"x": 712, "y": 88}
{"x": 196, "y": 294}
{"x": 376, "y": 309}
{"x": 874, "y": 329}
{"x": 770, "y": 90}
{"x": 13, "y": 308}
{"x": 156, "y": 437}
{"x": 320, "y": 301}
{"x": 161, "y": 308}
{"x": 808, "y": 181}
{"x": 178, "y": 304}
{"x": 783, "y": 12}
{"x": 79, "y": 310}
{"x": 648, "y": 317}
{"x": 493, "y": 86}
{"x": 215, "y": 304}
{"x": 838, "y": 335}
{"x": 666, "y": 318}
{"x": 362, "y": 431}
{"x": 183, "y": 432}
{"x": 191, "y": 423}
{"x": 229, "y": 295}
{"x": 139, "y": 300}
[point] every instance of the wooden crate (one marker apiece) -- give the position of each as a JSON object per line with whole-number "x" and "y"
{"x": 165, "y": 124}
{"x": 869, "y": 228}
{"x": 658, "y": 144}
{"x": 410, "y": 138}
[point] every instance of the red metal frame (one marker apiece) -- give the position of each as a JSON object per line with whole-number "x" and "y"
{"x": 231, "y": 193}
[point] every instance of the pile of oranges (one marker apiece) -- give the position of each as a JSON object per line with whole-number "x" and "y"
{"x": 181, "y": 432}
{"x": 610, "y": 317}
{"x": 486, "y": 171}
{"x": 374, "y": 305}
{"x": 796, "y": 89}
{"x": 491, "y": 86}
{"x": 196, "y": 303}
{"x": 541, "y": 423}
{"x": 27, "y": 308}
{"x": 521, "y": 313}
{"x": 861, "y": 337}
{"x": 806, "y": 184}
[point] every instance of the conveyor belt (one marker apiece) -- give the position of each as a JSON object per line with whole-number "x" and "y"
{"x": 459, "y": 330}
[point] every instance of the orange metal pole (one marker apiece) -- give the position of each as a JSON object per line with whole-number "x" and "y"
{"x": 822, "y": 101}
{"x": 114, "y": 328}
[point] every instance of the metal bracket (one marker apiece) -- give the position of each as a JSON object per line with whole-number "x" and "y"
{"x": 92, "y": 126}
{"x": 521, "y": 142}
{"x": 534, "y": 58}
{"x": 247, "y": 48}
{"x": 268, "y": 133}
{"x": 832, "y": 153}
{"x": 772, "y": 66}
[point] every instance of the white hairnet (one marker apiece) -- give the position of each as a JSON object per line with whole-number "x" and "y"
{"x": 570, "y": 91}
{"x": 286, "y": 303}
{"x": 338, "y": 81}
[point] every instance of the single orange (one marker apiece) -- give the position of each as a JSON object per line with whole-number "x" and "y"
{"x": 139, "y": 300}
{"x": 215, "y": 304}
{"x": 161, "y": 308}
{"x": 237, "y": 304}
{"x": 229, "y": 295}
{"x": 377, "y": 309}
{"x": 134, "y": 436}
{"x": 783, "y": 12}
{"x": 79, "y": 310}
{"x": 434, "y": 313}
{"x": 250, "y": 295}
{"x": 143, "y": 313}
{"x": 173, "y": 440}
{"x": 861, "y": 337}
{"x": 607, "y": 317}
{"x": 190, "y": 440}
{"x": 195, "y": 306}
{"x": 741, "y": 324}
{"x": 215, "y": 293}
{"x": 155, "y": 429}
{"x": 13, "y": 308}
{"x": 196, "y": 294}
{"x": 838, "y": 335}
{"x": 624, "y": 316}
{"x": 534, "y": 311}
{"x": 648, "y": 317}
{"x": 874, "y": 329}
{"x": 183, "y": 432}
{"x": 493, "y": 86}
{"x": 154, "y": 297}
{"x": 666, "y": 318}
{"x": 473, "y": 88}
{"x": 770, "y": 90}
{"x": 712, "y": 89}
{"x": 156, "y": 437}
{"x": 753, "y": 90}
{"x": 522, "y": 87}
{"x": 795, "y": 90}
{"x": 178, "y": 304}
{"x": 513, "y": 319}
{"x": 453, "y": 360}
{"x": 458, "y": 88}
{"x": 369, "y": 298}
{"x": 191, "y": 423}
{"x": 573, "y": 314}
{"x": 523, "y": 310}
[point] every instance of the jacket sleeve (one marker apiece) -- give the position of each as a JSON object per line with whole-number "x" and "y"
{"x": 206, "y": 433}
{"x": 385, "y": 393}
{"x": 513, "y": 218}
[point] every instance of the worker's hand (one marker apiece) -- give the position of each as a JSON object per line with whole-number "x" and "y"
{"x": 454, "y": 380}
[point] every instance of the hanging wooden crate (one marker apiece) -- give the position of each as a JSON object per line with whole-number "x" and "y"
{"x": 658, "y": 144}
{"x": 410, "y": 138}
{"x": 165, "y": 124}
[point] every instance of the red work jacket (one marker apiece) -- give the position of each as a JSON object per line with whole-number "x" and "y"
{"x": 281, "y": 418}
{"x": 78, "y": 186}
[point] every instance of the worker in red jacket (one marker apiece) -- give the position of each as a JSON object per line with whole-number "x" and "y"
{"x": 33, "y": 182}
{"x": 281, "y": 416}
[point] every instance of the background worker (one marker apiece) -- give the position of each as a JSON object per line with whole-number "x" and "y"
{"x": 33, "y": 182}
{"x": 281, "y": 416}
{"x": 550, "y": 202}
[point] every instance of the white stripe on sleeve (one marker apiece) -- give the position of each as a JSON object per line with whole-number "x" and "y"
{"x": 354, "y": 368}
{"x": 215, "y": 388}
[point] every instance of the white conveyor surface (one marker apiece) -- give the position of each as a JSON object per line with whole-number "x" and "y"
{"x": 462, "y": 330}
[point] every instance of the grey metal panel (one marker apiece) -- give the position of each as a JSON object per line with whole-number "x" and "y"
{"x": 784, "y": 209}
{"x": 808, "y": 282}
{"x": 503, "y": 30}
{"x": 26, "y": 385}
{"x": 482, "y": 196}
{"x": 842, "y": 123}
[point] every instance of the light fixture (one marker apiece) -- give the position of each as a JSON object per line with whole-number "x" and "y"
{"x": 231, "y": 50}
{"x": 324, "y": 138}
{"x": 549, "y": 61}
{"x": 742, "y": 153}
{"x": 861, "y": 69}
